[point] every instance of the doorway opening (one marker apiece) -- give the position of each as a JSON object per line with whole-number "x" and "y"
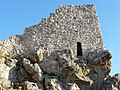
{"x": 79, "y": 49}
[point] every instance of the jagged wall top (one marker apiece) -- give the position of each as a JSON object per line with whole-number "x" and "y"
{"x": 63, "y": 29}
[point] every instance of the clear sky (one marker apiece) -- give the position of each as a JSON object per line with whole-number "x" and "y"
{"x": 15, "y": 15}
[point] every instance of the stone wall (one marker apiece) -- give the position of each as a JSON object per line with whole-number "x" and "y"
{"x": 63, "y": 29}
{"x": 43, "y": 58}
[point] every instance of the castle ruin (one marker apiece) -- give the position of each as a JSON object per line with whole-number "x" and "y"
{"x": 75, "y": 27}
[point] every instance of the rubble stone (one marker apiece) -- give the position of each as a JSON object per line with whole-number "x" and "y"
{"x": 10, "y": 62}
{"x": 116, "y": 81}
{"x": 72, "y": 86}
{"x": 30, "y": 86}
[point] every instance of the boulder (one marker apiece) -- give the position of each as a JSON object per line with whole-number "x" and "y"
{"x": 72, "y": 86}
{"x": 38, "y": 77}
{"x": 10, "y": 62}
{"x": 40, "y": 55}
{"x": 52, "y": 84}
{"x": 116, "y": 81}
{"x": 30, "y": 86}
{"x": 31, "y": 68}
{"x": 33, "y": 57}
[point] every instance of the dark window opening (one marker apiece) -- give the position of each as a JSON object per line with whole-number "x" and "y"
{"x": 79, "y": 49}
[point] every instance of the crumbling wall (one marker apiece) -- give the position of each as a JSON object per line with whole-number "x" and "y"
{"x": 43, "y": 57}
{"x": 63, "y": 29}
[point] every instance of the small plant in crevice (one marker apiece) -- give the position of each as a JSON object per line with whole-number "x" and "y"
{"x": 51, "y": 74}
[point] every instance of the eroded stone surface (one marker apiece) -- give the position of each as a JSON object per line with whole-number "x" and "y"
{"x": 45, "y": 56}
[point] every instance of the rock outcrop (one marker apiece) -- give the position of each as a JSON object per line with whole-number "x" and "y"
{"x": 38, "y": 60}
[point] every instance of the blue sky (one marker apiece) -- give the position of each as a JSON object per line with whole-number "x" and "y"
{"x": 15, "y": 15}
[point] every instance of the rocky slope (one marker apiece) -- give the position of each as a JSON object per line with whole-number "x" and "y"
{"x": 58, "y": 71}
{"x": 25, "y": 68}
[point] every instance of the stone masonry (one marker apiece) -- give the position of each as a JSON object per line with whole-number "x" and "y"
{"x": 62, "y": 52}
{"x": 63, "y": 29}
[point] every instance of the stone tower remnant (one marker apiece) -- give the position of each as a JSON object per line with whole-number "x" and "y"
{"x": 72, "y": 27}
{"x": 63, "y": 52}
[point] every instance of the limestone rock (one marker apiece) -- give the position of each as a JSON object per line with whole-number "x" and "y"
{"x": 30, "y": 86}
{"x": 40, "y": 54}
{"x": 38, "y": 77}
{"x": 31, "y": 68}
{"x": 35, "y": 57}
{"x": 7, "y": 74}
{"x": 52, "y": 84}
{"x": 24, "y": 75}
{"x": 49, "y": 65}
{"x": 107, "y": 85}
{"x": 10, "y": 62}
{"x": 116, "y": 81}
{"x": 63, "y": 52}
{"x": 72, "y": 86}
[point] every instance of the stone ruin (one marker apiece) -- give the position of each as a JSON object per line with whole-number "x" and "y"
{"x": 63, "y": 52}
{"x": 68, "y": 27}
